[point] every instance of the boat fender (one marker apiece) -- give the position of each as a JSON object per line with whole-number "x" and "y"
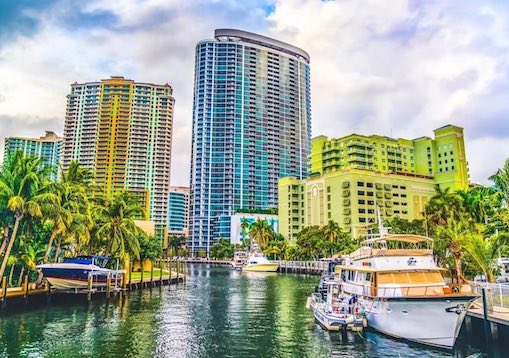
{"x": 356, "y": 309}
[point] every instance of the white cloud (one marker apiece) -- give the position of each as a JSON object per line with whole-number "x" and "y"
{"x": 393, "y": 67}
{"x": 404, "y": 68}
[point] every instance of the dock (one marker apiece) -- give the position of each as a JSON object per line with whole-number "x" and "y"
{"x": 285, "y": 266}
{"x": 162, "y": 272}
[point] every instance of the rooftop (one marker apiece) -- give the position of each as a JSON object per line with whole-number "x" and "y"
{"x": 261, "y": 40}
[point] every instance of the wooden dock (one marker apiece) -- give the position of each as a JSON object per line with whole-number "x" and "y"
{"x": 285, "y": 266}
{"x": 163, "y": 272}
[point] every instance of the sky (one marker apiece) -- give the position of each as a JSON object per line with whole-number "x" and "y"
{"x": 399, "y": 68}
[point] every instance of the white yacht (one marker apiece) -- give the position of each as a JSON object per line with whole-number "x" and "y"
{"x": 257, "y": 261}
{"x": 403, "y": 291}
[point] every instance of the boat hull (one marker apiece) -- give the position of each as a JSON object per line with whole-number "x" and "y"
{"x": 268, "y": 267}
{"x": 72, "y": 276}
{"x": 430, "y": 321}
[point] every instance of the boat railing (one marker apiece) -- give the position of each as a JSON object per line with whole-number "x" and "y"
{"x": 406, "y": 291}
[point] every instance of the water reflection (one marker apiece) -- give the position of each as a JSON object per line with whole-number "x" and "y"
{"x": 219, "y": 313}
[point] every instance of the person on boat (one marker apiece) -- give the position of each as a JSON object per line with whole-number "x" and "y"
{"x": 351, "y": 303}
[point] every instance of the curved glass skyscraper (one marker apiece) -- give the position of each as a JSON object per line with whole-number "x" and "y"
{"x": 251, "y": 125}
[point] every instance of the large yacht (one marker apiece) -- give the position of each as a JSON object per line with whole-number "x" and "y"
{"x": 403, "y": 291}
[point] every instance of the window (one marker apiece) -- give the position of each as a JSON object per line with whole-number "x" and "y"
{"x": 362, "y": 211}
{"x": 362, "y": 202}
{"x": 328, "y": 189}
{"x": 360, "y": 192}
{"x": 360, "y": 183}
{"x": 369, "y": 185}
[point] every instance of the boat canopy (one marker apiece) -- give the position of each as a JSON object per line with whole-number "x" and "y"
{"x": 411, "y": 239}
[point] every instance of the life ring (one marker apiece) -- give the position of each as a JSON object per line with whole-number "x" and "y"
{"x": 356, "y": 309}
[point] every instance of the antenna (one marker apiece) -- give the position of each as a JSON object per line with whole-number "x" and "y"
{"x": 382, "y": 230}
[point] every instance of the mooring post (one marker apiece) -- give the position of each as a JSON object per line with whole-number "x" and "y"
{"x": 160, "y": 272}
{"x": 89, "y": 287}
{"x": 151, "y": 273}
{"x": 25, "y": 285}
{"x": 4, "y": 291}
{"x": 130, "y": 274}
{"x": 108, "y": 286}
{"x": 169, "y": 264}
{"x": 142, "y": 271}
{"x": 485, "y": 316}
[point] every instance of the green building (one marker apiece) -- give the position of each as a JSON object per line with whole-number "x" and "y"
{"x": 47, "y": 148}
{"x": 352, "y": 175}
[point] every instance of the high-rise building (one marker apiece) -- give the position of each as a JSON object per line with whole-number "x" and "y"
{"x": 122, "y": 130}
{"x": 178, "y": 211}
{"x": 251, "y": 125}
{"x": 48, "y": 148}
{"x": 351, "y": 176}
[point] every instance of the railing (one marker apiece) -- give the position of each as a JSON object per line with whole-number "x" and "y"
{"x": 497, "y": 294}
{"x": 303, "y": 266}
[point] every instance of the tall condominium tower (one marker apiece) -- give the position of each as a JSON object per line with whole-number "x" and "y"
{"x": 48, "y": 148}
{"x": 251, "y": 125}
{"x": 122, "y": 130}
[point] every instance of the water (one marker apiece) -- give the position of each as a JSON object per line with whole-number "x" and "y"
{"x": 219, "y": 313}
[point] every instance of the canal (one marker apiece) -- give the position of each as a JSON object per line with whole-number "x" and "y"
{"x": 218, "y": 313}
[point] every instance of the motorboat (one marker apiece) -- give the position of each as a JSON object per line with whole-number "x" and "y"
{"x": 334, "y": 311}
{"x": 240, "y": 258}
{"x": 403, "y": 291}
{"x": 257, "y": 261}
{"x": 260, "y": 263}
{"x": 75, "y": 272}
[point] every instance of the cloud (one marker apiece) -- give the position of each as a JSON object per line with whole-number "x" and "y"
{"x": 394, "y": 67}
{"x": 404, "y": 68}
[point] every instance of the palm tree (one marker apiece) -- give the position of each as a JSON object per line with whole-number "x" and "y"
{"x": 261, "y": 232}
{"x": 481, "y": 202}
{"x": 332, "y": 231}
{"x": 244, "y": 225}
{"x": 117, "y": 228}
{"x": 452, "y": 238}
{"x": 501, "y": 180}
{"x": 23, "y": 191}
{"x": 484, "y": 251}
{"x": 73, "y": 201}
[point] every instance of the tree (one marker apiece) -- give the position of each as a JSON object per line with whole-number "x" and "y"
{"x": 451, "y": 237}
{"x": 481, "y": 202}
{"x": 484, "y": 251}
{"x": 117, "y": 228}
{"x": 73, "y": 209}
{"x": 501, "y": 181}
{"x": 244, "y": 226}
{"x": 261, "y": 232}
{"x": 332, "y": 231}
{"x": 23, "y": 191}
{"x": 222, "y": 249}
{"x": 403, "y": 226}
{"x": 150, "y": 248}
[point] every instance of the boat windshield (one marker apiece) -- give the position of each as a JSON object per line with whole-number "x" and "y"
{"x": 87, "y": 260}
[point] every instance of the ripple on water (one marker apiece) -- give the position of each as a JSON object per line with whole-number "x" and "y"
{"x": 219, "y": 313}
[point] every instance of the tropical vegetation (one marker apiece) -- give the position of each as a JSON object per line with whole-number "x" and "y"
{"x": 43, "y": 220}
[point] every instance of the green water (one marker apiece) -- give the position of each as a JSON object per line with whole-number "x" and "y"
{"x": 218, "y": 313}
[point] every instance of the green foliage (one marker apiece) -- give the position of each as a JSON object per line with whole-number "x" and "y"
{"x": 269, "y": 211}
{"x": 223, "y": 249}
{"x": 150, "y": 247}
{"x": 261, "y": 232}
{"x": 42, "y": 219}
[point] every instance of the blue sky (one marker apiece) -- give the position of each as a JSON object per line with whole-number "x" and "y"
{"x": 394, "y": 67}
